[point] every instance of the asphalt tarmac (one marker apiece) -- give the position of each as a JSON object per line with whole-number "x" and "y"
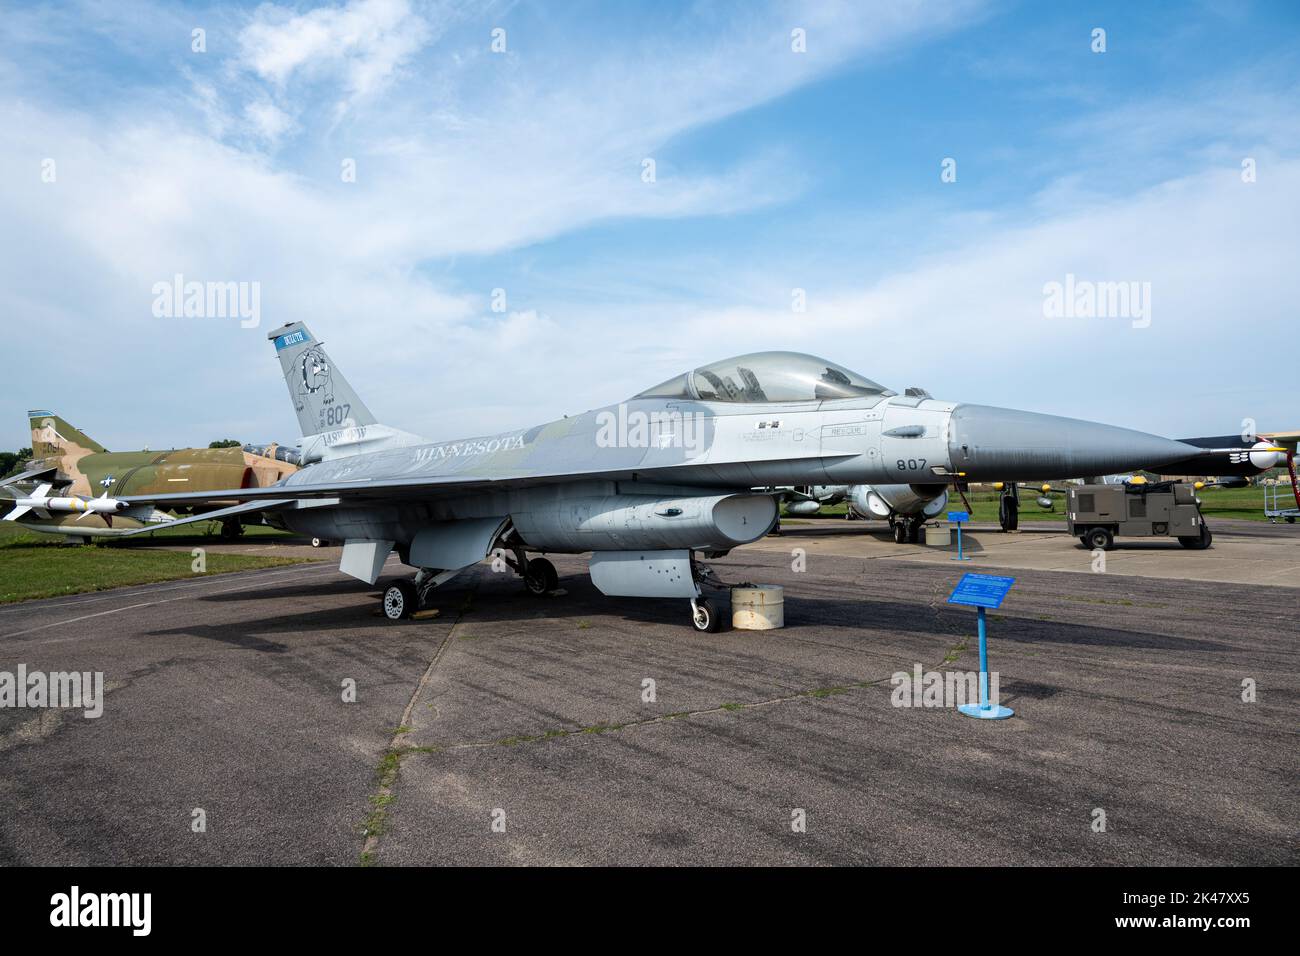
{"x": 507, "y": 728}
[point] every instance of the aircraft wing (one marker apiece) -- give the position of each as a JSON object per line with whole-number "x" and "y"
{"x": 28, "y": 475}
{"x": 356, "y": 490}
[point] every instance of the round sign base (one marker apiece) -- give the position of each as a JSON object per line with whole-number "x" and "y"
{"x": 986, "y": 713}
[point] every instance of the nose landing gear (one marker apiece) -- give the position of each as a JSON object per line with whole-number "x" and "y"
{"x": 704, "y": 616}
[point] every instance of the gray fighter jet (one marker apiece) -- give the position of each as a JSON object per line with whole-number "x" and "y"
{"x": 652, "y": 486}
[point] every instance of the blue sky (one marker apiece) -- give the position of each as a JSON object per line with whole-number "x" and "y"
{"x": 522, "y": 171}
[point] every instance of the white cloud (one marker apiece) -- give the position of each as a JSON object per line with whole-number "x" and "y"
{"x": 466, "y": 154}
{"x": 463, "y": 153}
{"x": 361, "y": 43}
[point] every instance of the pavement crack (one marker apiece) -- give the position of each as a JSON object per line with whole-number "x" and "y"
{"x": 390, "y": 764}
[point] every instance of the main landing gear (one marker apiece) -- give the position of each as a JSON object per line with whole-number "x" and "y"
{"x": 539, "y": 574}
{"x": 401, "y": 599}
{"x": 906, "y": 528}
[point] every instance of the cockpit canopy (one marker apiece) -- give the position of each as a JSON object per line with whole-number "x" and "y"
{"x": 768, "y": 377}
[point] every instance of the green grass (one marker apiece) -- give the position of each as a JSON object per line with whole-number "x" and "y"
{"x": 36, "y": 565}
{"x": 1246, "y": 503}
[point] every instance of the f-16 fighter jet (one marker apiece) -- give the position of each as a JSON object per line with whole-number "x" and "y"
{"x": 653, "y": 486}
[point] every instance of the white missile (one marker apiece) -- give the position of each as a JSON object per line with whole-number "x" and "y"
{"x": 42, "y": 503}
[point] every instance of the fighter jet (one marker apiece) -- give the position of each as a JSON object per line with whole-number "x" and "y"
{"x": 73, "y": 486}
{"x": 653, "y": 486}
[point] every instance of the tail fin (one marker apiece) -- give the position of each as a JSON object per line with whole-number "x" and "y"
{"x": 52, "y": 437}
{"x": 320, "y": 394}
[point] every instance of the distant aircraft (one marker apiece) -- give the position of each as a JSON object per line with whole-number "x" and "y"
{"x": 905, "y": 507}
{"x": 73, "y": 486}
{"x": 649, "y": 486}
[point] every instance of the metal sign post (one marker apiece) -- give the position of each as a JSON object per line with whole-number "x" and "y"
{"x": 957, "y": 517}
{"x": 983, "y": 591}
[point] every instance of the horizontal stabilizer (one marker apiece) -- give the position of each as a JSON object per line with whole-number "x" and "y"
{"x": 29, "y": 475}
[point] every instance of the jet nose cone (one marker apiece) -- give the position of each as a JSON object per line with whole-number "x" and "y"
{"x": 990, "y": 443}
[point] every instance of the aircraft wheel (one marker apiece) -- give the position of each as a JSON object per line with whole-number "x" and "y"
{"x": 1009, "y": 514}
{"x": 401, "y": 600}
{"x": 900, "y": 533}
{"x": 541, "y": 577}
{"x": 705, "y": 618}
{"x": 316, "y": 542}
{"x": 230, "y": 530}
{"x": 1290, "y": 520}
{"x": 1101, "y": 538}
{"x": 913, "y": 532}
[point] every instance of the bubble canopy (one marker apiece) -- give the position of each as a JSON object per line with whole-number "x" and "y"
{"x": 768, "y": 377}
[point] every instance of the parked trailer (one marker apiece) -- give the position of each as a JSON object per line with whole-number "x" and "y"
{"x": 1098, "y": 514}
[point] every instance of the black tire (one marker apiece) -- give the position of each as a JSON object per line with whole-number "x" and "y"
{"x": 900, "y": 533}
{"x": 1206, "y": 537}
{"x": 400, "y": 601}
{"x": 1100, "y": 538}
{"x": 316, "y": 542}
{"x": 1290, "y": 520}
{"x": 1083, "y": 540}
{"x": 705, "y": 617}
{"x": 541, "y": 577}
{"x": 230, "y": 530}
{"x": 1009, "y": 514}
{"x": 913, "y": 532}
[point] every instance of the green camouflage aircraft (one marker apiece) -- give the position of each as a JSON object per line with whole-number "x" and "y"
{"x": 72, "y": 484}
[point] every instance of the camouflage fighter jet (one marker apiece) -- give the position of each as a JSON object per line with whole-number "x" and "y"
{"x": 74, "y": 486}
{"x": 649, "y": 486}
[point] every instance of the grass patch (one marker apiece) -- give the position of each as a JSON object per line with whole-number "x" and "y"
{"x": 954, "y": 653}
{"x": 36, "y": 565}
{"x": 826, "y": 692}
{"x": 385, "y": 776}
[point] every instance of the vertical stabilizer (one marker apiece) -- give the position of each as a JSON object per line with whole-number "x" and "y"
{"x": 321, "y": 396}
{"x": 52, "y": 437}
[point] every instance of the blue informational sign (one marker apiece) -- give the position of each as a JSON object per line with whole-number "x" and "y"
{"x": 959, "y": 516}
{"x": 981, "y": 590}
